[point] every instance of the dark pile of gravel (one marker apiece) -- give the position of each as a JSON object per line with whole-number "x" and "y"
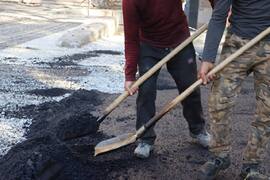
{"x": 60, "y": 142}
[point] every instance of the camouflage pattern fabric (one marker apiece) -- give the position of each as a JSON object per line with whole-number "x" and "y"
{"x": 226, "y": 88}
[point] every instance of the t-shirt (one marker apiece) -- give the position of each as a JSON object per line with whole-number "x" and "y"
{"x": 248, "y": 19}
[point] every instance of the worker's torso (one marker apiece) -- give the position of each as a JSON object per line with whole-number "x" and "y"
{"x": 250, "y": 17}
{"x": 162, "y": 22}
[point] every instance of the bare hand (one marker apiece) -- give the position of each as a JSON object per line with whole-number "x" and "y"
{"x": 128, "y": 88}
{"x": 204, "y": 69}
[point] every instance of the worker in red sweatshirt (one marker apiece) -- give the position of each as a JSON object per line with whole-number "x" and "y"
{"x": 152, "y": 29}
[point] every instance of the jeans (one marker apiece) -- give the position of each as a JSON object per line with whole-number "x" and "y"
{"x": 183, "y": 70}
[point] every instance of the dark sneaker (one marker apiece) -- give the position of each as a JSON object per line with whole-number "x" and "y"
{"x": 143, "y": 150}
{"x": 202, "y": 138}
{"x": 211, "y": 168}
{"x": 251, "y": 172}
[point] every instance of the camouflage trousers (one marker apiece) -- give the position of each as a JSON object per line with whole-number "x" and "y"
{"x": 226, "y": 88}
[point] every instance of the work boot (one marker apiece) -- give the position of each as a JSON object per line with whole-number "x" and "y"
{"x": 251, "y": 172}
{"x": 202, "y": 138}
{"x": 211, "y": 168}
{"x": 143, "y": 150}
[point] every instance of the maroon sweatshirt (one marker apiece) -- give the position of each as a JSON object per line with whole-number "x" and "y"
{"x": 160, "y": 23}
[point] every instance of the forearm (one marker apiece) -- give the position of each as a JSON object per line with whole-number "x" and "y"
{"x": 131, "y": 56}
{"x": 216, "y": 29}
{"x": 131, "y": 31}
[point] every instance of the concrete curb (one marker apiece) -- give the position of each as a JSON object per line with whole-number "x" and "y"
{"x": 92, "y": 30}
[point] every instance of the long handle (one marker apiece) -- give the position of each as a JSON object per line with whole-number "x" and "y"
{"x": 149, "y": 73}
{"x": 189, "y": 90}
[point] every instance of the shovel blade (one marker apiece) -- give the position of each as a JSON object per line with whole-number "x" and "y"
{"x": 115, "y": 143}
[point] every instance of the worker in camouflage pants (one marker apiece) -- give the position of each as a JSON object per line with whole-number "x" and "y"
{"x": 244, "y": 25}
{"x": 226, "y": 88}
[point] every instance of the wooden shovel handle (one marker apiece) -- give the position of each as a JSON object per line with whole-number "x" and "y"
{"x": 149, "y": 73}
{"x": 189, "y": 90}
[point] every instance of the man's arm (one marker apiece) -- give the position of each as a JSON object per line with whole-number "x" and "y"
{"x": 214, "y": 34}
{"x": 216, "y": 29}
{"x": 132, "y": 42}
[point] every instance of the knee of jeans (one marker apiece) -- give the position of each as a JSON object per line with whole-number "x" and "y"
{"x": 193, "y": 100}
{"x": 147, "y": 92}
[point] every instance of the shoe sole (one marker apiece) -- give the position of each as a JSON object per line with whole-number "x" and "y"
{"x": 195, "y": 141}
{"x": 141, "y": 156}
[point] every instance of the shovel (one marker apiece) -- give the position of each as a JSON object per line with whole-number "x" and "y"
{"x": 125, "y": 94}
{"x": 126, "y": 139}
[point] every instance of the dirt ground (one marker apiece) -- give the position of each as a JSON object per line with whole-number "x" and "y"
{"x": 60, "y": 144}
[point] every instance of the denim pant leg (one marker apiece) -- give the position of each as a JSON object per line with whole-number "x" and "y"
{"x": 149, "y": 56}
{"x": 183, "y": 69}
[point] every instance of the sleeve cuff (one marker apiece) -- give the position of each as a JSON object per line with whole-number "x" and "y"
{"x": 208, "y": 60}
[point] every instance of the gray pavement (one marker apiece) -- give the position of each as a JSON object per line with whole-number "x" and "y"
{"x": 19, "y": 23}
